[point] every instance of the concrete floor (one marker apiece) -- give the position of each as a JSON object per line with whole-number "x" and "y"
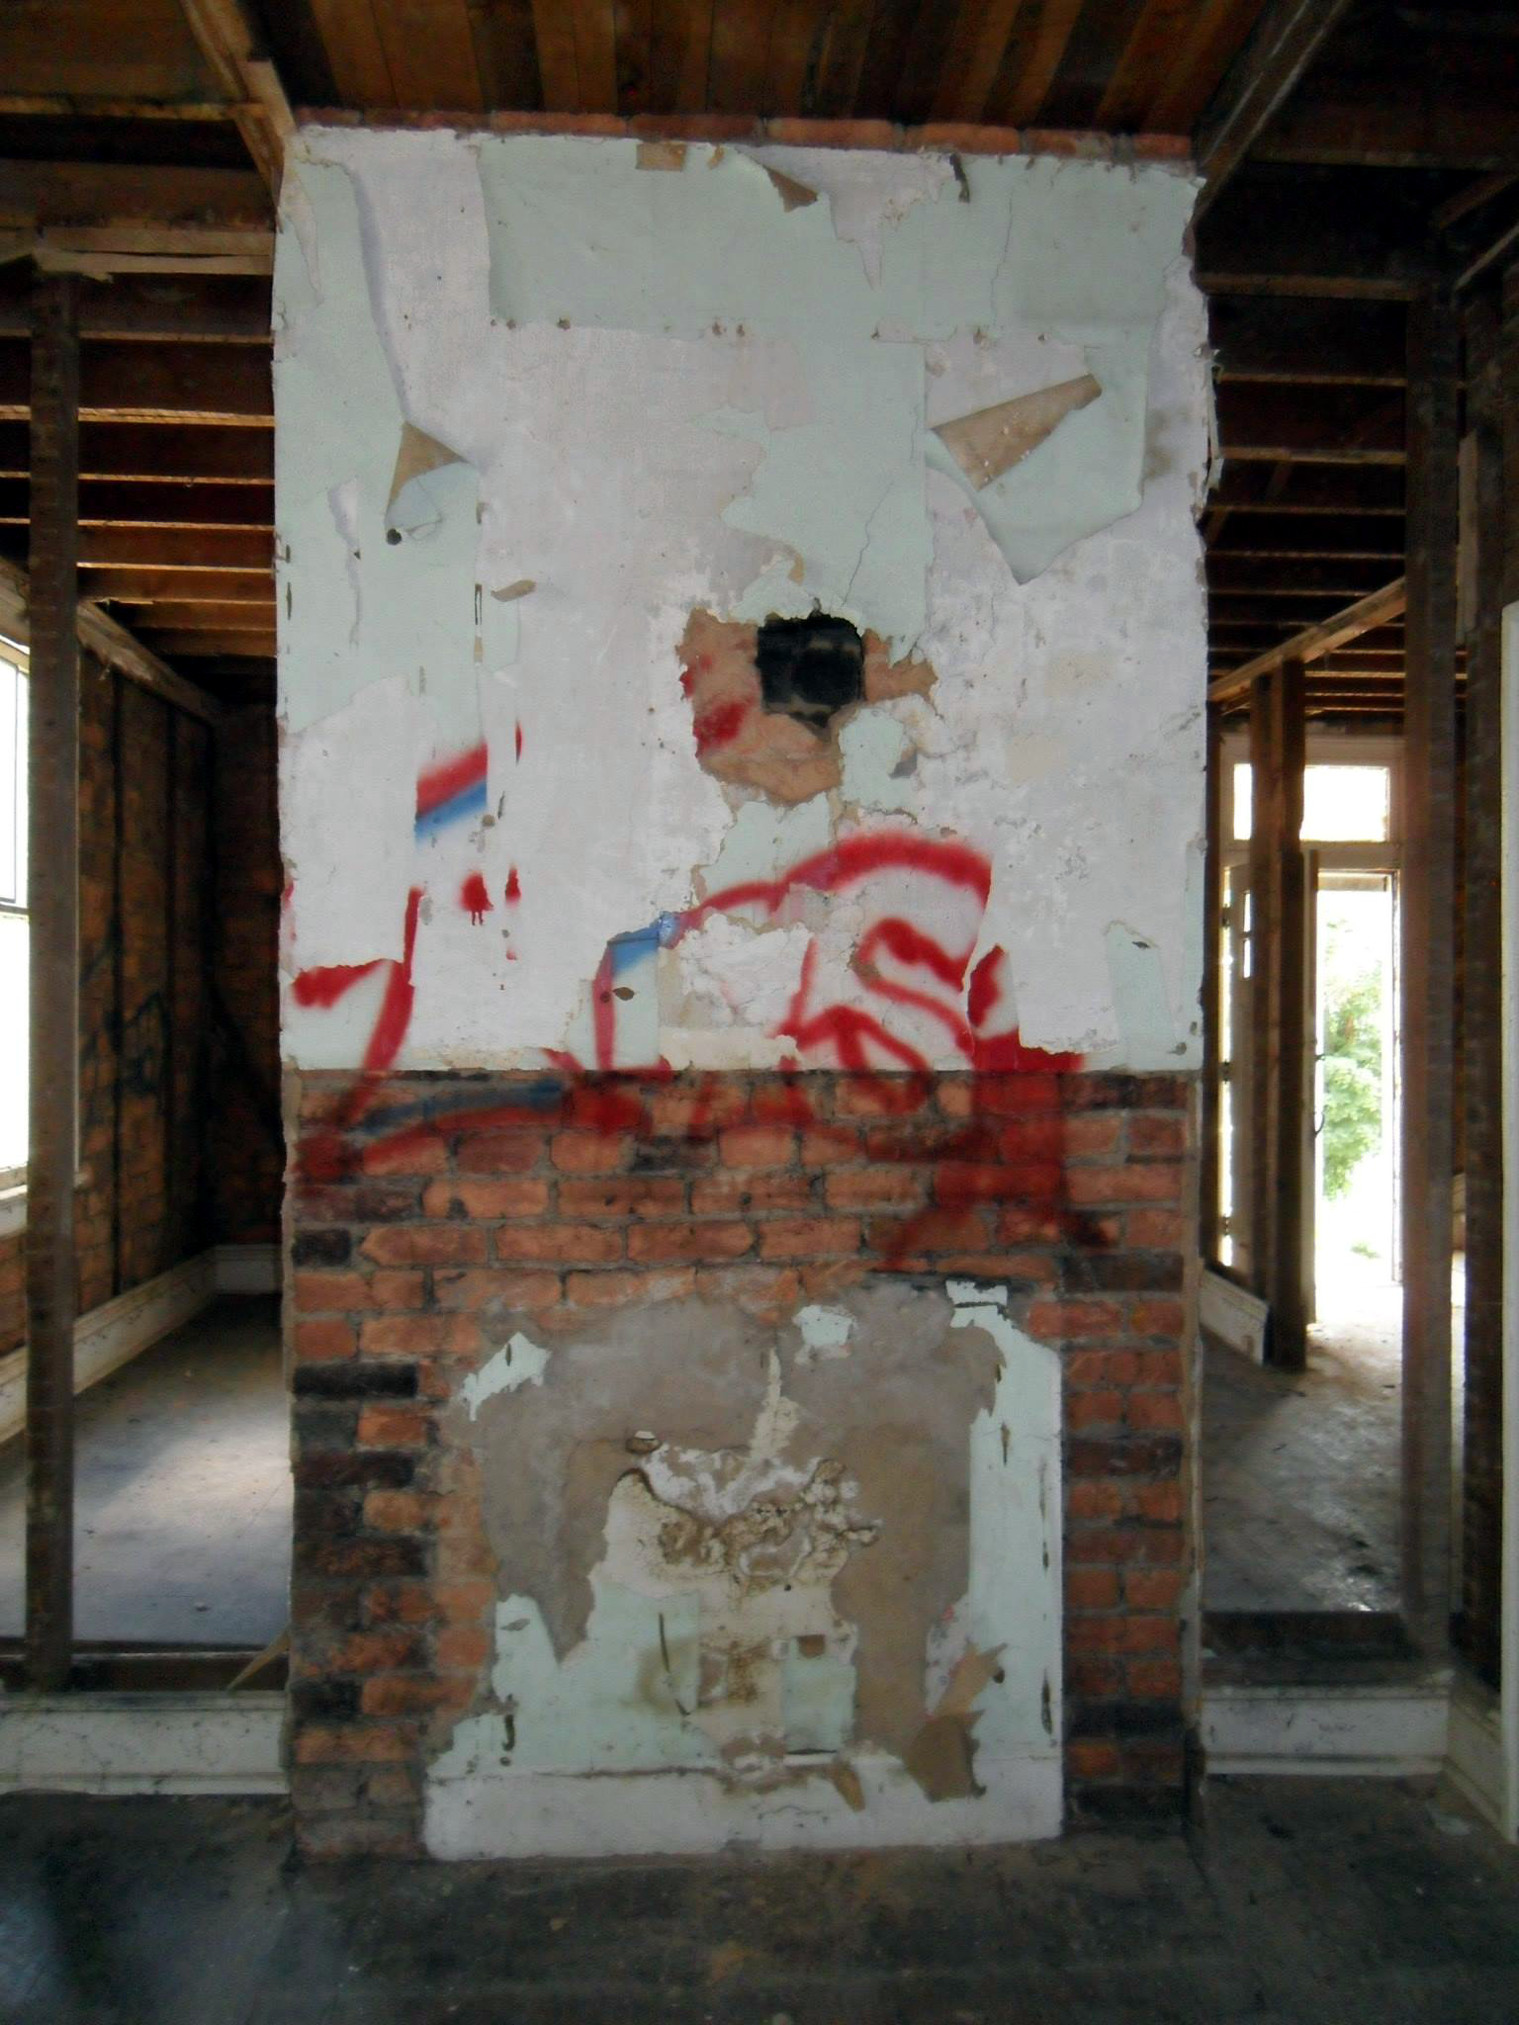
{"x": 182, "y": 1516}
{"x": 1296, "y": 1901}
{"x": 1300, "y": 1470}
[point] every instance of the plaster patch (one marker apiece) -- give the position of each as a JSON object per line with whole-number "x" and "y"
{"x": 518, "y": 1362}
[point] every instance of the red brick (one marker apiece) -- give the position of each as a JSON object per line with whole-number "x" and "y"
{"x": 809, "y": 1238}
{"x": 654, "y": 1196}
{"x": 321, "y": 1342}
{"x": 874, "y": 1188}
{"x": 558, "y": 1243}
{"x": 468, "y": 1291}
{"x": 394, "y": 1288}
{"x": 757, "y": 1146}
{"x": 1154, "y": 1410}
{"x": 1092, "y": 1679}
{"x": 936, "y": 1230}
{"x": 698, "y": 1242}
{"x": 401, "y": 1244}
{"x": 1085, "y": 1410}
{"x": 1159, "y": 1182}
{"x": 1153, "y": 1588}
{"x": 1093, "y": 1758}
{"x": 800, "y": 133}
{"x": 1015, "y": 1096}
{"x": 590, "y": 1152}
{"x": 676, "y": 1114}
{"x": 610, "y": 1290}
{"x": 401, "y": 1695}
{"x": 782, "y": 1104}
{"x": 1039, "y": 1138}
{"x": 374, "y": 1652}
{"x": 459, "y": 1601}
{"x": 463, "y": 1646}
{"x": 1054, "y": 1321}
{"x": 1089, "y": 1134}
{"x": 1158, "y": 1229}
{"x": 399, "y": 1511}
{"x": 1102, "y": 1368}
{"x": 1093, "y": 1501}
{"x": 829, "y": 1146}
{"x": 329, "y": 1293}
{"x": 1154, "y": 1680}
{"x": 1091, "y": 1589}
{"x": 957, "y": 137}
{"x": 499, "y": 1152}
{"x": 1160, "y": 1504}
{"x": 1158, "y": 1134}
{"x": 393, "y": 1427}
{"x": 1124, "y": 1633}
{"x": 352, "y": 1744}
{"x": 771, "y": 1292}
{"x": 1157, "y": 1318}
{"x": 418, "y": 1335}
{"x": 485, "y": 1200}
{"x": 733, "y": 1194}
{"x": 421, "y": 1152}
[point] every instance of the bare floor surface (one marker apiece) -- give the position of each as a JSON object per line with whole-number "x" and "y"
{"x": 1296, "y": 1900}
{"x": 183, "y": 1502}
{"x": 1300, "y": 1470}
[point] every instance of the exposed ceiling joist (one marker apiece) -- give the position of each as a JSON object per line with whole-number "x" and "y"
{"x": 248, "y": 78}
{"x": 1284, "y": 43}
{"x": 96, "y": 218}
{"x": 1315, "y": 641}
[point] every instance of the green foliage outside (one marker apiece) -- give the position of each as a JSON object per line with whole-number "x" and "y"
{"x": 1352, "y": 1060}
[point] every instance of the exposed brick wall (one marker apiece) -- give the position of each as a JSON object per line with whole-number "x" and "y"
{"x": 417, "y": 1202}
{"x": 154, "y": 1102}
{"x": 247, "y": 1152}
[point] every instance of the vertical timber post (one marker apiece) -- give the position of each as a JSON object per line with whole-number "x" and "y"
{"x": 1289, "y": 1050}
{"x": 1479, "y": 1607}
{"x": 1210, "y": 1233}
{"x": 1428, "y": 959}
{"x": 53, "y": 853}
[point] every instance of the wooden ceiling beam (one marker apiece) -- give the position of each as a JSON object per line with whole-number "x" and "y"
{"x": 194, "y": 646}
{"x": 1273, "y": 62}
{"x": 1382, "y": 125}
{"x": 110, "y": 642}
{"x": 216, "y": 384}
{"x": 146, "y": 451}
{"x": 159, "y": 548}
{"x": 1303, "y": 534}
{"x": 1260, "y": 422}
{"x": 1311, "y": 490}
{"x": 108, "y": 502}
{"x": 1316, "y": 641}
{"x": 147, "y": 586}
{"x": 178, "y": 309}
{"x": 101, "y": 218}
{"x": 1264, "y": 578}
{"x": 248, "y": 79}
{"x": 1306, "y": 343}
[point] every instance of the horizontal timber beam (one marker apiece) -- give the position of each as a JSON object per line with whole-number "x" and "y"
{"x": 171, "y": 308}
{"x": 122, "y": 382}
{"x": 1307, "y": 343}
{"x": 1315, "y": 641}
{"x": 1286, "y": 38}
{"x": 126, "y": 502}
{"x": 110, "y": 642}
{"x": 1309, "y": 489}
{"x": 241, "y": 646}
{"x": 192, "y": 586}
{"x": 156, "y": 451}
{"x": 95, "y": 217}
{"x": 168, "y": 548}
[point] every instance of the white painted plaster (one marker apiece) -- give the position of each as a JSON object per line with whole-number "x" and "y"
{"x": 666, "y": 392}
{"x": 520, "y": 1361}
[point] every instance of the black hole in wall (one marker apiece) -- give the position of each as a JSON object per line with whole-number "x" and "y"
{"x": 810, "y": 668}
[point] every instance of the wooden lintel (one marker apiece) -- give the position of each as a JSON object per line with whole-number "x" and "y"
{"x": 1315, "y": 641}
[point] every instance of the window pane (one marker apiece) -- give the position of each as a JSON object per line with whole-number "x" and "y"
{"x": 13, "y": 1039}
{"x": 1341, "y": 804}
{"x": 12, "y": 785}
{"x": 1345, "y": 804}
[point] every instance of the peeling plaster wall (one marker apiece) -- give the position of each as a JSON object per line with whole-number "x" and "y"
{"x": 540, "y": 401}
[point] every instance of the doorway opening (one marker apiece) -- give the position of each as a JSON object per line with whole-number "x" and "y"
{"x": 1301, "y": 1452}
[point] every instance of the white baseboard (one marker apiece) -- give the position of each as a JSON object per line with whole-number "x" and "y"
{"x": 114, "y": 1333}
{"x": 505, "y": 1813}
{"x": 1475, "y": 1765}
{"x": 246, "y": 1269}
{"x": 1394, "y": 1732}
{"x": 1234, "y": 1316}
{"x": 142, "y": 1743}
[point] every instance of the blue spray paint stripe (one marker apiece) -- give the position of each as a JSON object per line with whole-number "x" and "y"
{"x": 469, "y": 801}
